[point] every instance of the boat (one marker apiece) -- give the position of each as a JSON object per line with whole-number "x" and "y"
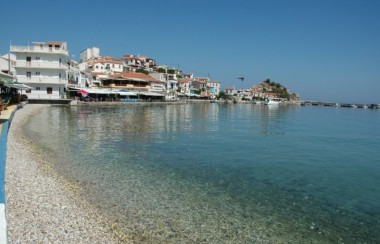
{"x": 271, "y": 101}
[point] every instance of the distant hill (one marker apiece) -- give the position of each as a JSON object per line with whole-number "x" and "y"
{"x": 272, "y": 88}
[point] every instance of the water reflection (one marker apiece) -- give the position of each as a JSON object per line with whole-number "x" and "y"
{"x": 268, "y": 161}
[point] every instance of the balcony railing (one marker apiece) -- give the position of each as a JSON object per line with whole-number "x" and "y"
{"x": 40, "y": 64}
{"x": 39, "y": 49}
{"x": 41, "y": 79}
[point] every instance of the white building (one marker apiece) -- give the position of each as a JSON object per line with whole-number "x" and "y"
{"x": 105, "y": 65}
{"x": 214, "y": 88}
{"x": 74, "y": 75}
{"x": 88, "y": 53}
{"x": 7, "y": 63}
{"x": 171, "y": 84}
{"x": 132, "y": 63}
{"x": 42, "y": 66}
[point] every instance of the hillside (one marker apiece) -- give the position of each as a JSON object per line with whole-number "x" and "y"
{"x": 275, "y": 89}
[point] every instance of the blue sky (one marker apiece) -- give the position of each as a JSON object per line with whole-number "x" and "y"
{"x": 326, "y": 50}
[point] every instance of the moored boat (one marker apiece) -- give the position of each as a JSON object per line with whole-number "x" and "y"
{"x": 271, "y": 101}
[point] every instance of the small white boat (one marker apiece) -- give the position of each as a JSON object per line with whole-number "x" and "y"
{"x": 271, "y": 101}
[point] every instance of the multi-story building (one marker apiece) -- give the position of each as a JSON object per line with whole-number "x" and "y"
{"x": 42, "y": 66}
{"x": 133, "y": 81}
{"x": 213, "y": 88}
{"x": 89, "y": 53}
{"x": 132, "y": 63}
{"x": 105, "y": 65}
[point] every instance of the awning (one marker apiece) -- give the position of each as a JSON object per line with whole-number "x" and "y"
{"x": 18, "y": 86}
{"x": 98, "y": 91}
{"x": 151, "y": 94}
{"x": 83, "y": 92}
{"x": 126, "y": 93}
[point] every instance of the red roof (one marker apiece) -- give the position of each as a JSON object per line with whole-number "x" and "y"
{"x": 184, "y": 80}
{"x": 106, "y": 60}
{"x": 136, "y": 75}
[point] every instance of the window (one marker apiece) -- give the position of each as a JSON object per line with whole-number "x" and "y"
{"x": 29, "y": 75}
{"x": 38, "y": 88}
{"x": 38, "y": 73}
{"x": 38, "y": 58}
{"x": 49, "y": 90}
{"x": 28, "y": 91}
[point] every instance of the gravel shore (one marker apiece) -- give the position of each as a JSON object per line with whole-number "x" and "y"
{"x": 40, "y": 206}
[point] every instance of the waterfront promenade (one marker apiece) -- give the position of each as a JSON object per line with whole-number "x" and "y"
{"x": 6, "y": 116}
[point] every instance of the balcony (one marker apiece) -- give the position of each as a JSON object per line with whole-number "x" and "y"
{"x": 41, "y": 64}
{"x": 41, "y": 79}
{"x": 39, "y": 49}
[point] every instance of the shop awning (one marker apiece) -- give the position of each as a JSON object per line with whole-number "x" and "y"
{"x": 151, "y": 94}
{"x": 16, "y": 85}
{"x": 126, "y": 93}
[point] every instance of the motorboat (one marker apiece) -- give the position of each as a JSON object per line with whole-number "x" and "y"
{"x": 271, "y": 101}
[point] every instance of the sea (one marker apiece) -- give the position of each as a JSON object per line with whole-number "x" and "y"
{"x": 221, "y": 173}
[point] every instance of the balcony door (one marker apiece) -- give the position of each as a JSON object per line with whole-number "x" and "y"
{"x": 28, "y": 60}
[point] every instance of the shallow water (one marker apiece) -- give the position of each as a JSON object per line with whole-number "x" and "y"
{"x": 222, "y": 173}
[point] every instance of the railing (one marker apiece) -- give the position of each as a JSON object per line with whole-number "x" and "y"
{"x": 41, "y": 64}
{"x": 40, "y": 79}
{"x": 38, "y": 49}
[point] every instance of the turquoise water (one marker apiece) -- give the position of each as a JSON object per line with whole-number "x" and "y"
{"x": 214, "y": 173}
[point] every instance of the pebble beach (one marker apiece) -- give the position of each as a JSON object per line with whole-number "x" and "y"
{"x": 40, "y": 206}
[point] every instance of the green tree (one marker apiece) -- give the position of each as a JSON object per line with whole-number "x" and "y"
{"x": 223, "y": 95}
{"x": 171, "y": 71}
{"x": 161, "y": 70}
{"x": 142, "y": 71}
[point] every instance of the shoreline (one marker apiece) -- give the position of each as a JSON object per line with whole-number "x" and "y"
{"x": 41, "y": 206}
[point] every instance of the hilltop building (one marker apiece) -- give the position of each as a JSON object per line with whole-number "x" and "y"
{"x": 89, "y": 53}
{"x": 133, "y": 63}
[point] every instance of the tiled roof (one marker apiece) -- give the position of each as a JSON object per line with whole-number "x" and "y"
{"x": 105, "y": 60}
{"x": 137, "y": 75}
{"x": 184, "y": 80}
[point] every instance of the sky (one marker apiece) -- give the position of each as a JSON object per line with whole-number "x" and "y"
{"x": 323, "y": 50}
